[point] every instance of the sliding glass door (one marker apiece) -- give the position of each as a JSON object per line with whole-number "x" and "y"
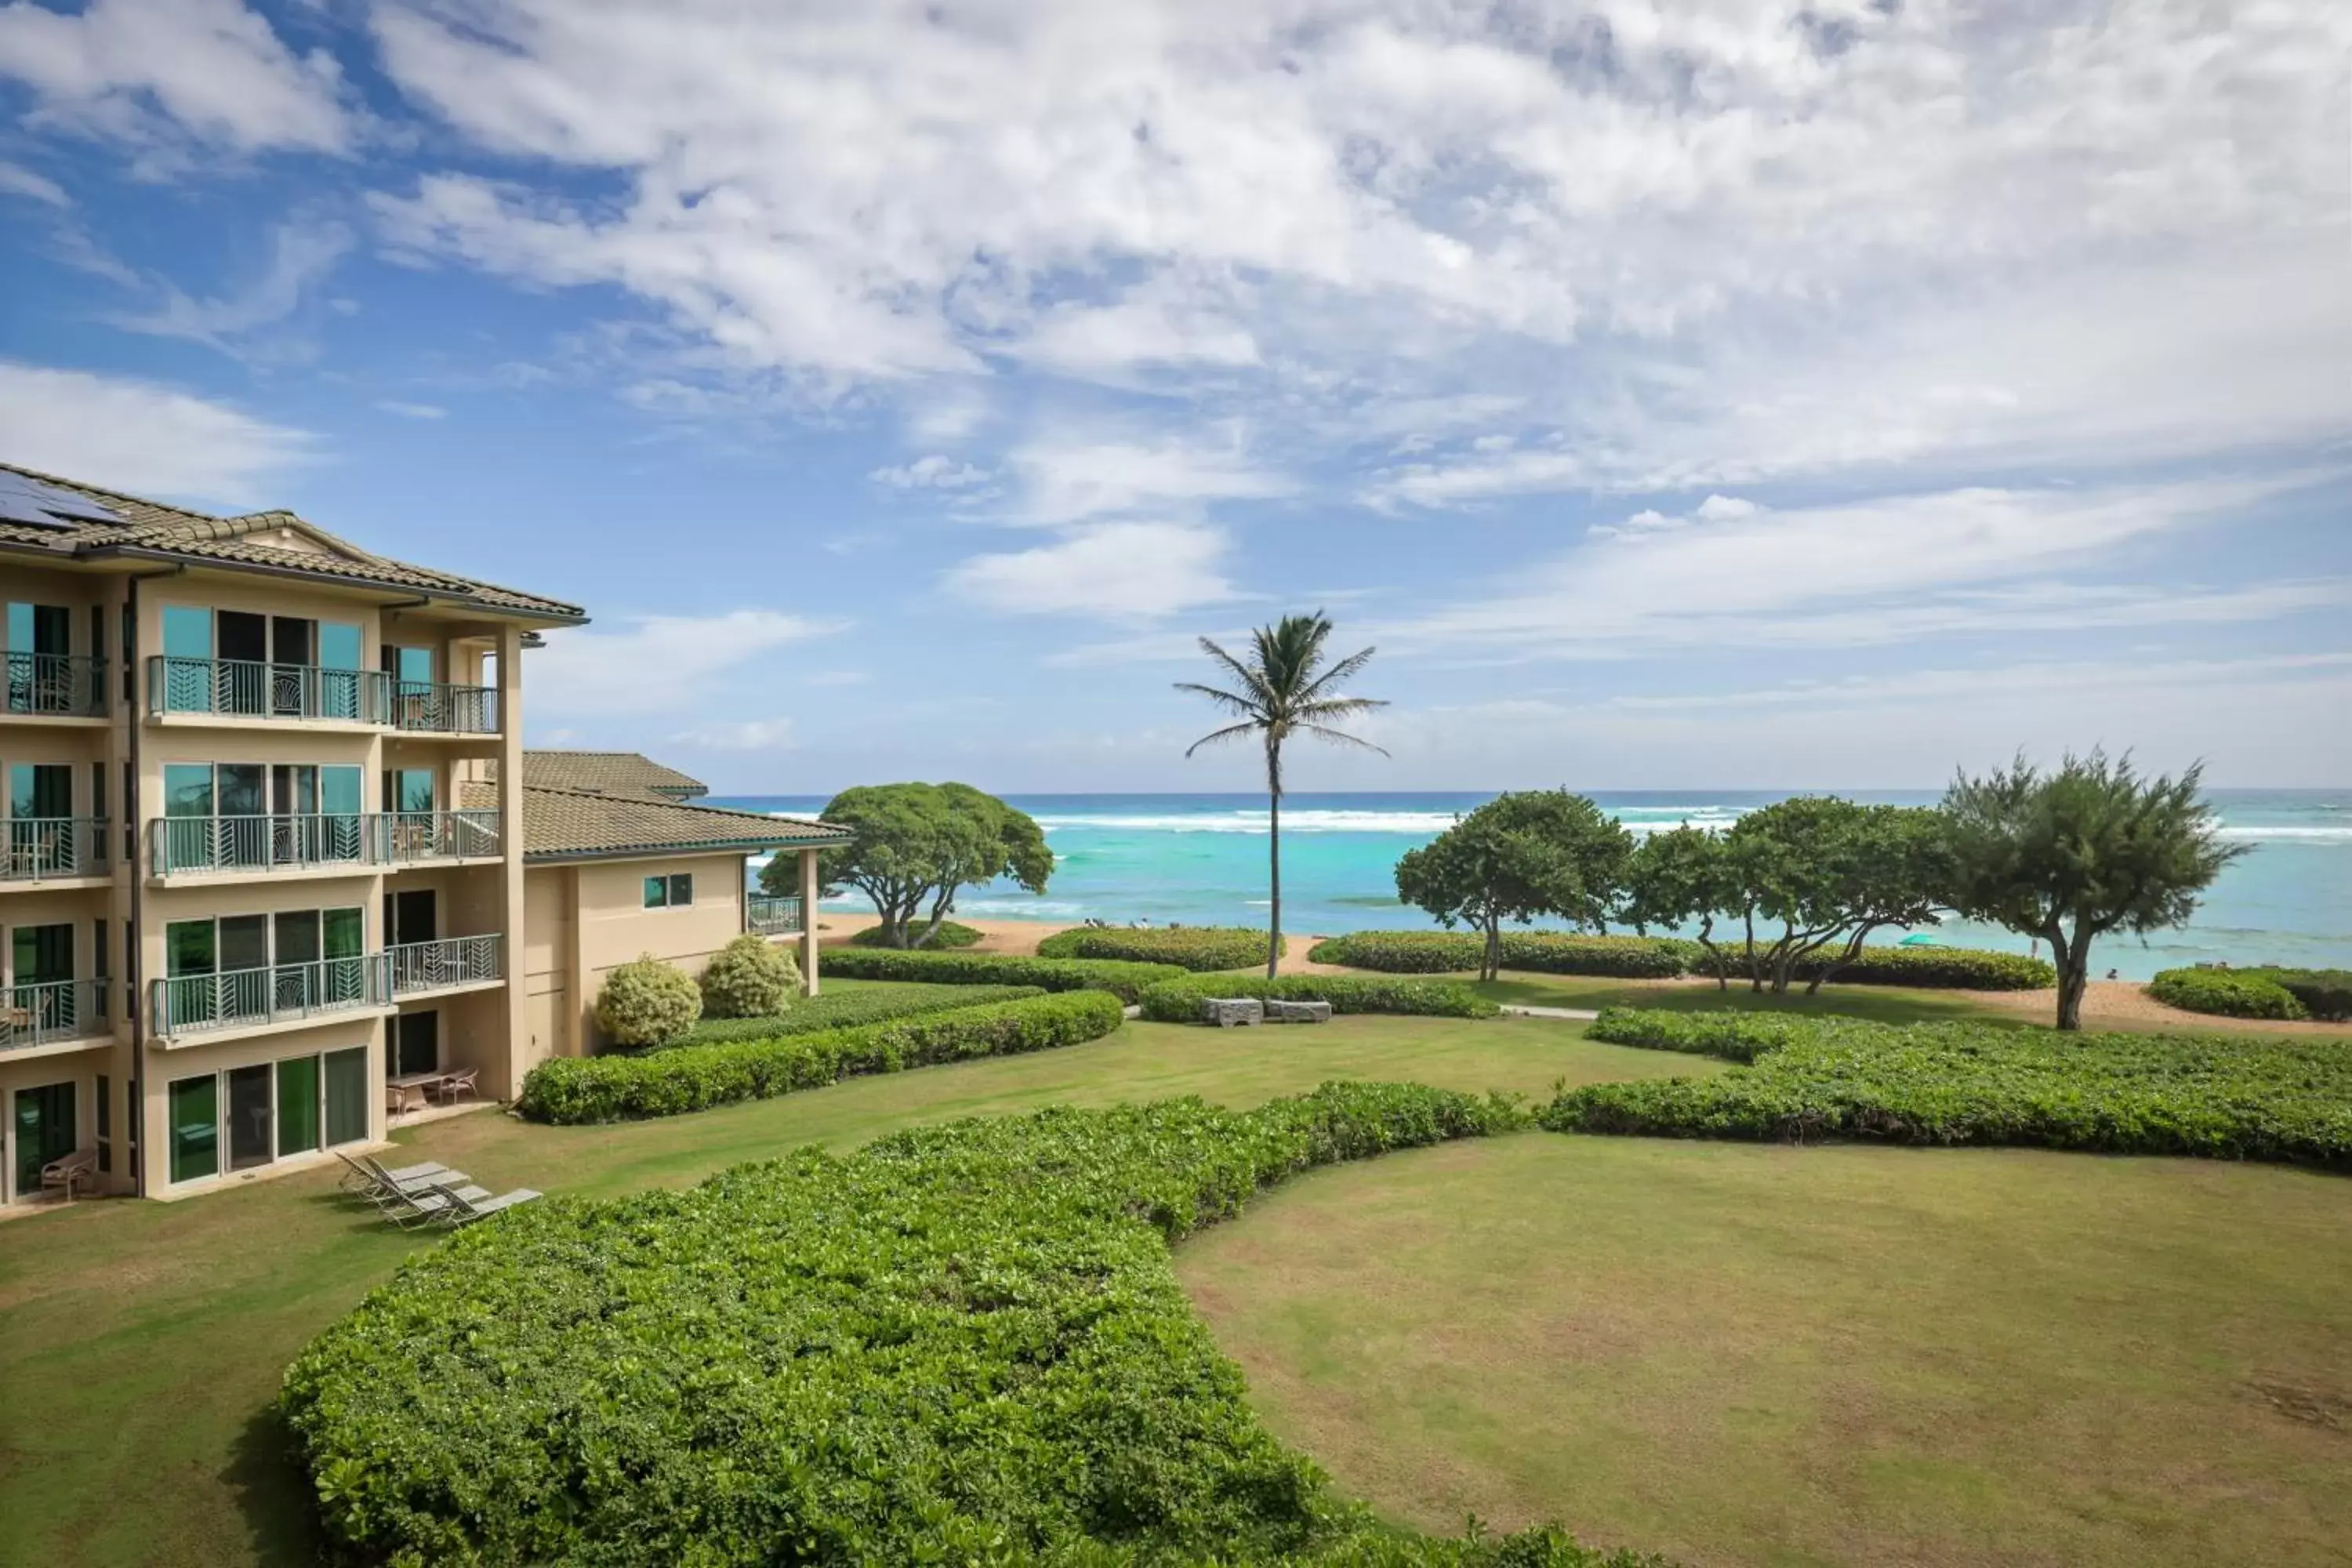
{"x": 46, "y": 1130}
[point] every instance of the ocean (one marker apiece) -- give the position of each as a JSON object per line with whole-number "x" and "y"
{"x": 1199, "y": 859}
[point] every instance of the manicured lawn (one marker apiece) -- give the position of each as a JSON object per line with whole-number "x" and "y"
{"x": 1735, "y": 1353}
{"x": 145, "y": 1341}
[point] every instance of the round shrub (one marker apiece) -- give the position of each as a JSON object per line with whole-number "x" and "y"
{"x": 751, "y": 977}
{"x": 1197, "y": 948}
{"x": 951, "y": 933}
{"x": 2226, "y": 993}
{"x": 645, "y": 1002}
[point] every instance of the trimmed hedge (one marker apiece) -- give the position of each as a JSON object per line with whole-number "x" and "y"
{"x": 951, "y": 934}
{"x": 1179, "y": 1001}
{"x": 1125, "y": 981}
{"x": 2324, "y": 993}
{"x": 1197, "y": 948}
{"x": 842, "y": 1009}
{"x": 2230, "y": 993}
{"x": 1538, "y": 952}
{"x": 2235, "y": 1098}
{"x": 963, "y": 1343}
{"x": 573, "y": 1089}
{"x": 1669, "y": 958}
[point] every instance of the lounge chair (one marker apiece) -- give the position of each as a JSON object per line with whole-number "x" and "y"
{"x": 432, "y": 1204}
{"x": 77, "y": 1169}
{"x": 466, "y": 1205}
{"x": 368, "y": 1178}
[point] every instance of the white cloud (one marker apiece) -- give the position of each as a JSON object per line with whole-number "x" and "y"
{"x": 659, "y": 664}
{"x": 141, "y": 437}
{"x": 412, "y": 410}
{"x": 739, "y": 735}
{"x": 935, "y": 472}
{"x": 1882, "y": 571}
{"x": 148, "y": 71}
{"x": 1068, "y": 479}
{"x": 1113, "y": 570}
{"x": 16, "y": 180}
{"x": 300, "y": 255}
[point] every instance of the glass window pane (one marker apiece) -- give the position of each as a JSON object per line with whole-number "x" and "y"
{"x": 297, "y": 1105}
{"x": 195, "y": 1128}
{"x": 240, "y": 786}
{"x": 656, "y": 892}
{"x": 338, "y": 791}
{"x": 188, "y": 947}
{"x": 187, "y": 631}
{"x": 681, "y": 890}
{"x": 187, "y": 789}
{"x": 414, "y": 664}
{"x": 339, "y": 646}
{"x": 347, "y": 1095}
{"x": 415, "y": 786}
{"x": 344, "y": 933}
{"x": 250, "y": 1133}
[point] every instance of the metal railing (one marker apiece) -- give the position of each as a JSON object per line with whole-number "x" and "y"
{"x": 257, "y": 843}
{"x": 54, "y": 846}
{"x": 420, "y": 966}
{"x": 767, "y": 915}
{"x": 403, "y": 837}
{"x": 56, "y": 683}
{"x": 438, "y": 708}
{"x": 50, "y": 1010}
{"x": 253, "y": 689}
{"x": 246, "y": 998}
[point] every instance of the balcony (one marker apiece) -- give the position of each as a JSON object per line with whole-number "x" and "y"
{"x": 427, "y": 838}
{"x": 430, "y": 968}
{"x": 765, "y": 915}
{"x": 249, "y": 689}
{"x": 246, "y": 1000}
{"x": 319, "y": 844}
{"x": 47, "y": 848}
{"x": 53, "y": 1013}
{"x": 53, "y": 685}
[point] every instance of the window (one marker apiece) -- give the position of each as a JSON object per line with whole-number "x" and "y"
{"x": 187, "y": 632}
{"x": 347, "y": 1095}
{"x": 675, "y": 891}
{"x": 195, "y": 1128}
{"x": 105, "y": 1125}
{"x": 97, "y": 790}
{"x": 297, "y": 1105}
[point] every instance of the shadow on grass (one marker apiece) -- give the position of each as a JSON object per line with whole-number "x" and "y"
{"x": 273, "y": 1494}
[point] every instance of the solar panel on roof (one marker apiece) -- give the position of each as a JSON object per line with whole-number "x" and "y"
{"x": 46, "y": 505}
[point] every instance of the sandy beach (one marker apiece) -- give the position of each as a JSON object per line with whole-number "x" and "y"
{"x": 2109, "y": 1004}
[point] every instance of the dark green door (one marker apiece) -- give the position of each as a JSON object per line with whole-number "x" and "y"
{"x": 45, "y": 1130}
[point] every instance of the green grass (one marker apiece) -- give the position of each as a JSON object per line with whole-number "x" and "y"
{"x": 1883, "y": 1003}
{"x": 1735, "y": 1353}
{"x": 143, "y": 1341}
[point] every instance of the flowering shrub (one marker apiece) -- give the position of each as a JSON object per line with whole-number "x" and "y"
{"x": 751, "y": 977}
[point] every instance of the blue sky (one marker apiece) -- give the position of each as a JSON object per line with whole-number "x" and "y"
{"x": 1715, "y": 394}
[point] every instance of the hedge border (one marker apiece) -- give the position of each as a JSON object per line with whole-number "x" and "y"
{"x": 1179, "y": 1001}
{"x": 1200, "y": 948}
{"x": 1127, "y": 981}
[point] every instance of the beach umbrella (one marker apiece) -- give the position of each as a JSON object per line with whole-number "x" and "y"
{"x": 1919, "y": 940}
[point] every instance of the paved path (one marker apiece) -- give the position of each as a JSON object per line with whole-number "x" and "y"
{"x": 1586, "y": 1013}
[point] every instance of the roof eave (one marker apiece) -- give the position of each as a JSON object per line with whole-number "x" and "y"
{"x": 566, "y": 615}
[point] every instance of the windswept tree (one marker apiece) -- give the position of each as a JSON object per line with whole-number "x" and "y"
{"x": 917, "y": 844}
{"x": 1680, "y": 876}
{"x": 1282, "y": 688}
{"x": 1519, "y": 858}
{"x": 1828, "y": 873}
{"x": 2089, "y": 849}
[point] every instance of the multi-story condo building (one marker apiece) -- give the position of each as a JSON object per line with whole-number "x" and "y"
{"x": 261, "y": 873}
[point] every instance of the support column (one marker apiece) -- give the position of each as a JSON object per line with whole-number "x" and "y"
{"x": 808, "y": 922}
{"x": 512, "y": 1058}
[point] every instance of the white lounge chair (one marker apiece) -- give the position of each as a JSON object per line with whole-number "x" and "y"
{"x": 434, "y": 1205}
{"x": 369, "y": 1179}
{"x": 466, "y": 1205}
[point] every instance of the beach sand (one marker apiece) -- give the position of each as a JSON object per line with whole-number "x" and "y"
{"x": 2109, "y": 1004}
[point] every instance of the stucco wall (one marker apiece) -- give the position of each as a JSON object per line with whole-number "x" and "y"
{"x": 609, "y": 925}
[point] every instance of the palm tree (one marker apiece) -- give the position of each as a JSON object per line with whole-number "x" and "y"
{"x": 1283, "y": 691}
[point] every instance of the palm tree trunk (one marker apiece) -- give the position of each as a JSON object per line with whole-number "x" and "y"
{"x": 1274, "y": 913}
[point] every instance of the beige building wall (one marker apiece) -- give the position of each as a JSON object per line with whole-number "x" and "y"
{"x": 586, "y": 918}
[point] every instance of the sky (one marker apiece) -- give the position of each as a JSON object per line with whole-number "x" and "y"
{"x": 1708, "y": 395}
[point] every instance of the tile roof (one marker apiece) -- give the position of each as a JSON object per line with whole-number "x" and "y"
{"x": 151, "y": 528}
{"x": 612, "y": 772}
{"x": 578, "y": 825}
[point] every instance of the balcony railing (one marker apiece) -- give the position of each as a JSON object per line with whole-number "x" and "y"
{"x": 57, "y": 684}
{"x": 434, "y": 708}
{"x": 41, "y": 847}
{"x": 766, "y": 915}
{"x": 420, "y": 966}
{"x": 251, "y": 689}
{"x": 258, "y": 843}
{"x": 406, "y": 838}
{"x": 248, "y": 999}
{"x": 39, "y": 1014}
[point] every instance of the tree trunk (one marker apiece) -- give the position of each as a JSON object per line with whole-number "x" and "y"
{"x": 1274, "y": 903}
{"x": 1754, "y": 975}
{"x": 2073, "y": 978}
{"x": 1713, "y": 953}
{"x": 1494, "y": 962}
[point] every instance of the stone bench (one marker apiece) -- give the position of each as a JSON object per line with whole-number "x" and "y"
{"x": 1227, "y": 1012}
{"x": 1297, "y": 1012}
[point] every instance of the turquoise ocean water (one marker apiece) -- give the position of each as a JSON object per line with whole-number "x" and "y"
{"x": 1199, "y": 859}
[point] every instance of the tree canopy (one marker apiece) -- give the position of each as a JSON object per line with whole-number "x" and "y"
{"x": 1519, "y": 857}
{"x": 917, "y": 845}
{"x": 2090, "y": 848}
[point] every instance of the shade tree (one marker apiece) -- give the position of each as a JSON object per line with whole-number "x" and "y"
{"x": 1521, "y": 857}
{"x": 917, "y": 846}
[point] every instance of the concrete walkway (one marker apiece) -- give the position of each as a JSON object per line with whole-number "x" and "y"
{"x": 1586, "y": 1013}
